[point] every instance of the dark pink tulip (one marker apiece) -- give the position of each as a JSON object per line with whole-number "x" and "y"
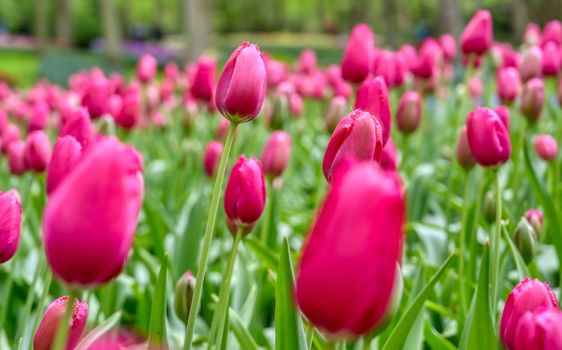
{"x": 45, "y": 335}
{"x": 531, "y": 65}
{"x": 276, "y": 154}
{"x": 16, "y": 157}
{"x": 129, "y": 114}
{"x": 373, "y": 98}
{"x": 427, "y": 61}
{"x": 509, "y": 84}
{"x": 477, "y": 36}
{"x": 114, "y": 105}
{"x": 171, "y": 72}
{"x": 532, "y": 34}
{"x": 244, "y": 196}
{"x": 39, "y": 116}
{"x": 66, "y": 153}
{"x": 359, "y": 136}
{"x": 211, "y": 158}
{"x": 203, "y": 84}
{"x": 409, "y": 55}
{"x": 503, "y": 113}
{"x": 277, "y": 72}
{"x": 296, "y": 104}
{"x": 119, "y": 340}
{"x": 8, "y": 135}
{"x": 3, "y": 121}
{"x": 306, "y": 63}
{"x": 241, "y": 87}
{"x": 408, "y": 115}
{"x": 488, "y": 137}
{"x": 527, "y": 296}
{"x": 532, "y": 99}
{"x": 551, "y": 59}
{"x": 539, "y": 329}
{"x": 10, "y": 224}
{"x": 358, "y": 228}
{"x": 336, "y": 111}
{"x": 390, "y": 66}
{"x": 96, "y": 93}
{"x": 535, "y": 218}
{"x": 79, "y": 126}
{"x": 90, "y": 220}
{"x": 222, "y": 129}
{"x": 448, "y": 46}
{"x": 389, "y": 159}
{"x": 546, "y": 147}
{"x": 146, "y": 68}
{"x": 464, "y": 155}
{"x": 552, "y": 33}
{"x": 358, "y": 54}
{"x": 475, "y": 87}
{"x": 37, "y": 152}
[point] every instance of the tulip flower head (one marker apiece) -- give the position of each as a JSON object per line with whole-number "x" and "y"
{"x": 146, "y": 68}
{"x": 546, "y": 147}
{"x": 532, "y": 99}
{"x": 409, "y": 112}
{"x": 16, "y": 157}
{"x": 373, "y": 98}
{"x": 488, "y": 137}
{"x": 66, "y": 154}
{"x": 203, "y": 84}
{"x": 509, "y": 84}
{"x": 184, "y": 295}
{"x": 539, "y": 329}
{"x": 477, "y": 36}
{"x": 358, "y": 54}
{"x": 503, "y": 113}
{"x": 531, "y": 65}
{"x": 10, "y": 224}
{"x": 211, "y": 158}
{"x": 276, "y": 154}
{"x": 535, "y": 218}
{"x": 37, "y": 153}
{"x": 335, "y": 112}
{"x": 551, "y": 59}
{"x": 79, "y": 126}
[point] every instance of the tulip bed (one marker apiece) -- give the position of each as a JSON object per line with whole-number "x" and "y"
{"x": 395, "y": 201}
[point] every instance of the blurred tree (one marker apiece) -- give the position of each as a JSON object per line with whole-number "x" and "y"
{"x": 450, "y": 17}
{"x": 64, "y": 23}
{"x": 111, "y": 30}
{"x": 197, "y": 26}
{"x": 42, "y": 23}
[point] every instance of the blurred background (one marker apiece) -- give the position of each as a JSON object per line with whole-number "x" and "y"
{"x": 54, "y": 38}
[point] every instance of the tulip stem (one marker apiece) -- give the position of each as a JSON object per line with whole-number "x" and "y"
{"x": 270, "y": 209}
{"x": 200, "y": 279}
{"x": 29, "y": 298}
{"x": 216, "y": 335}
{"x": 496, "y": 245}
{"x": 462, "y": 249}
{"x": 61, "y": 337}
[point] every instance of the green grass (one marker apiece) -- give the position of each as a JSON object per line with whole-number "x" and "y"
{"x": 20, "y": 67}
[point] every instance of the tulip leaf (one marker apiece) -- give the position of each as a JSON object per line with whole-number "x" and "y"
{"x": 435, "y": 340}
{"x": 245, "y": 339}
{"x": 157, "y": 327}
{"x": 99, "y": 331}
{"x": 262, "y": 252}
{"x": 289, "y": 331}
{"x": 517, "y": 258}
{"x": 401, "y": 330}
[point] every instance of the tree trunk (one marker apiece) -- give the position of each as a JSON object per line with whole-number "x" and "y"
{"x": 111, "y": 30}
{"x": 42, "y": 22}
{"x": 390, "y": 21}
{"x": 198, "y": 16}
{"x": 519, "y": 18}
{"x": 64, "y": 23}
{"x": 450, "y": 17}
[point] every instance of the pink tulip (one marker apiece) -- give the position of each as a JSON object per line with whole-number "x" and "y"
{"x": 96, "y": 93}
{"x": 551, "y": 59}
{"x": 509, "y": 84}
{"x": 477, "y": 36}
{"x": 10, "y": 224}
{"x": 389, "y": 159}
{"x": 358, "y": 228}
{"x": 244, "y": 196}
{"x": 66, "y": 153}
{"x": 532, "y": 99}
{"x": 45, "y": 335}
{"x": 146, "y": 68}
{"x": 373, "y": 98}
{"x": 539, "y": 329}
{"x": 335, "y": 112}
{"x": 90, "y": 220}
{"x": 276, "y": 154}
{"x": 39, "y": 116}
{"x": 114, "y": 105}
{"x": 358, "y": 54}
{"x": 531, "y": 65}
{"x": 546, "y": 147}
{"x": 296, "y": 104}
{"x": 120, "y": 340}
{"x": 79, "y": 126}
{"x": 503, "y": 113}
{"x": 9, "y": 134}
{"x": 16, "y": 157}
{"x": 203, "y": 85}
{"x": 464, "y": 155}
{"x": 532, "y": 34}
{"x": 277, "y": 72}
{"x": 527, "y": 296}
{"x": 552, "y": 32}
{"x": 37, "y": 152}
{"x": 409, "y": 112}
{"x": 241, "y": 87}
{"x": 129, "y": 114}
{"x": 171, "y": 72}
{"x": 475, "y": 87}
{"x": 535, "y": 218}
{"x": 448, "y": 46}
{"x": 488, "y": 137}
{"x": 211, "y": 158}
{"x": 390, "y": 67}
{"x": 222, "y": 129}
{"x": 427, "y": 62}
{"x": 307, "y": 61}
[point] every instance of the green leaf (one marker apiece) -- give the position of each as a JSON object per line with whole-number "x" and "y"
{"x": 478, "y": 333}
{"x": 99, "y": 331}
{"x": 157, "y": 327}
{"x": 435, "y": 340}
{"x": 263, "y": 253}
{"x": 517, "y": 258}
{"x": 245, "y": 339}
{"x": 289, "y": 331}
{"x": 400, "y": 333}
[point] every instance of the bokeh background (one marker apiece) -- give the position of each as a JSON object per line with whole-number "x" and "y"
{"x": 54, "y": 38}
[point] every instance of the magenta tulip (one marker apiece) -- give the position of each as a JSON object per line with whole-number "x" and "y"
{"x": 277, "y": 72}
{"x": 79, "y": 126}
{"x": 211, "y": 158}
{"x": 39, "y": 116}
{"x": 10, "y": 224}
{"x": 532, "y": 99}
{"x": 203, "y": 84}
{"x": 535, "y": 218}
{"x": 409, "y": 112}
{"x": 448, "y": 46}
{"x": 129, "y": 114}
{"x": 488, "y": 137}
{"x": 66, "y": 153}
{"x": 359, "y": 136}
{"x": 389, "y": 159}
{"x": 464, "y": 155}
{"x": 532, "y": 34}
{"x": 358, "y": 54}
{"x": 552, "y": 32}
{"x": 531, "y": 65}
{"x": 276, "y": 154}
{"x": 546, "y": 147}
{"x": 90, "y": 220}
{"x": 37, "y": 152}
{"x": 503, "y": 113}
{"x": 307, "y": 61}
{"x": 540, "y": 329}
{"x": 373, "y": 98}
{"x": 16, "y": 157}
{"x": 9, "y": 134}
{"x": 551, "y": 59}
{"x": 509, "y": 84}
{"x": 336, "y": 111}
{"x": 146, "y": 68}
{"x": 477, "y": 36}
{"x": 241, "y": 87}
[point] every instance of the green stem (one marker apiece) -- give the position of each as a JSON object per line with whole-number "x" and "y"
{"x": 222, "y": 306}
{"x": 43, "y": 297}
{"x": 61, "y": 337}
{"x": 269, "y": 211}
{"x": 29, "y": 299}
{"x": 462, "y": 248}
{"x": 208, "y": 237}
{"x": 9, "y": 285}
{"x": 496, "y": 245}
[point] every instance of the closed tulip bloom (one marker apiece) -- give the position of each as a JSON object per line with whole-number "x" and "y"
{"x": 427, "y": 61}
{"x": 277, "y": 72}
{"x": 358, "y": 136}
{"x": 409, "y": 112}
{"x": 532, "y": 34}
{"x": 39, "y": 116}
{"x": 552, "y": 33}
{"x": 535, "y": 218}
{"x": 296, "y": 104}
{"x": 551, "y": 60}
{"x": 546, "y": 147}
{"x": 477, "y": 35}
{"x": 79, "y": 126}
{"x": 171, "y": 71}
{"x": 488, "y": 137}
{"x": 373, "y": 98}
{"x": 358, "y": 54}
{"x": 276, "y": 154}
{"x": 241, "y": 87}
{"x": 16, "y": 157}
{"x": 335, "y": 112}
{"x": 531, "y": 65}
{"x": 448, "y": 46}
{"x": 146, "y": 68}
{"x": 130, "y": 108}
{"x": 211, "y": 158}
{"x": 464, "y": 155}
{"x": 90, "y": 220}
{"x": 389, "y": 159}
{"x": 66, "y": 153}
{"x": 244, "y": 196}
{"x": 10, "y": 224}
{"x": 525, "y": 240}
{"x": 203, "y": 84}
{"x": 540, "y": 329}
{"x": 532, "y": 99}
{"x": 37, "y": 152}
{"x": 8, "y": 135}
{"x": 509, "y": 84}
{"x": 527, "y": 296}
{"x": 184, "y": 295}
{"x": 358, "y": 228}
{"x": 503, "y": 113}
{"x": 306, "y": 63}
{"x": 45, "y": 335}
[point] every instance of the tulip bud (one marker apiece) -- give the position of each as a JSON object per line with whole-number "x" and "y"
{"x": 146, "y": 68}
{"x": 552, "y": 33}
{"x": 426, "y": 63}
{"x": 184, "y": 296}
{"x": 37, "y": 153}
{"x": 335, "y": 112}
{"x": 295, "y": 104}
{"x": 277, "y": 112}
{"x": 45, "y": 336}
{"x": 358, "y": 54}
{"x": 373, "y": 98}
{"x": 477, "y": 35}
{"x": 203, "y": 85}
{"x": 39, "y": 116}
{"x": 532, "y": 34}
{"x": 79, "y": 126}
{"x": 359, "y": 136}
{"x": 409, "y": 112}
{"x": 130, "y": 109}
{"x": 276, "y": 154}
{"x": 211, "y": 158}
{"x": 66, "y": 153}
{"x": 277, "y": 72}
{"x": 503, "y": 113}
{"x": 551, "y": 60}
{"x": 539, "y": 329}
{"x": 526, "y": 296}
{"x": 368, "y": 204}
{"x": 525, "y": 240}
{"x": 531, "y": 66}
{"x": 546, "y": 147}
{"x": 244, "y": 196}
{"x": 535, "y": 218}
{"x": 532, "y": 99}
{"x": 100, "y": 199}
{"x": 306, "y": 63}
{"x": 241, "y": 88}
{"x": 490, "y": 207}
{"x": 8, "y": 135}
{"x": 509, "y": 84}
{"x": 448, "y": 46}
{"x": 16, "y": 157}
{"x": 222, "y": 130}
{"x": 475, "y": 87}
{"x": 488, "y": 137}
{"x": 171, "y": 71}
{"x": 10, "y": 224}
{"x": 389, "y": 158}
